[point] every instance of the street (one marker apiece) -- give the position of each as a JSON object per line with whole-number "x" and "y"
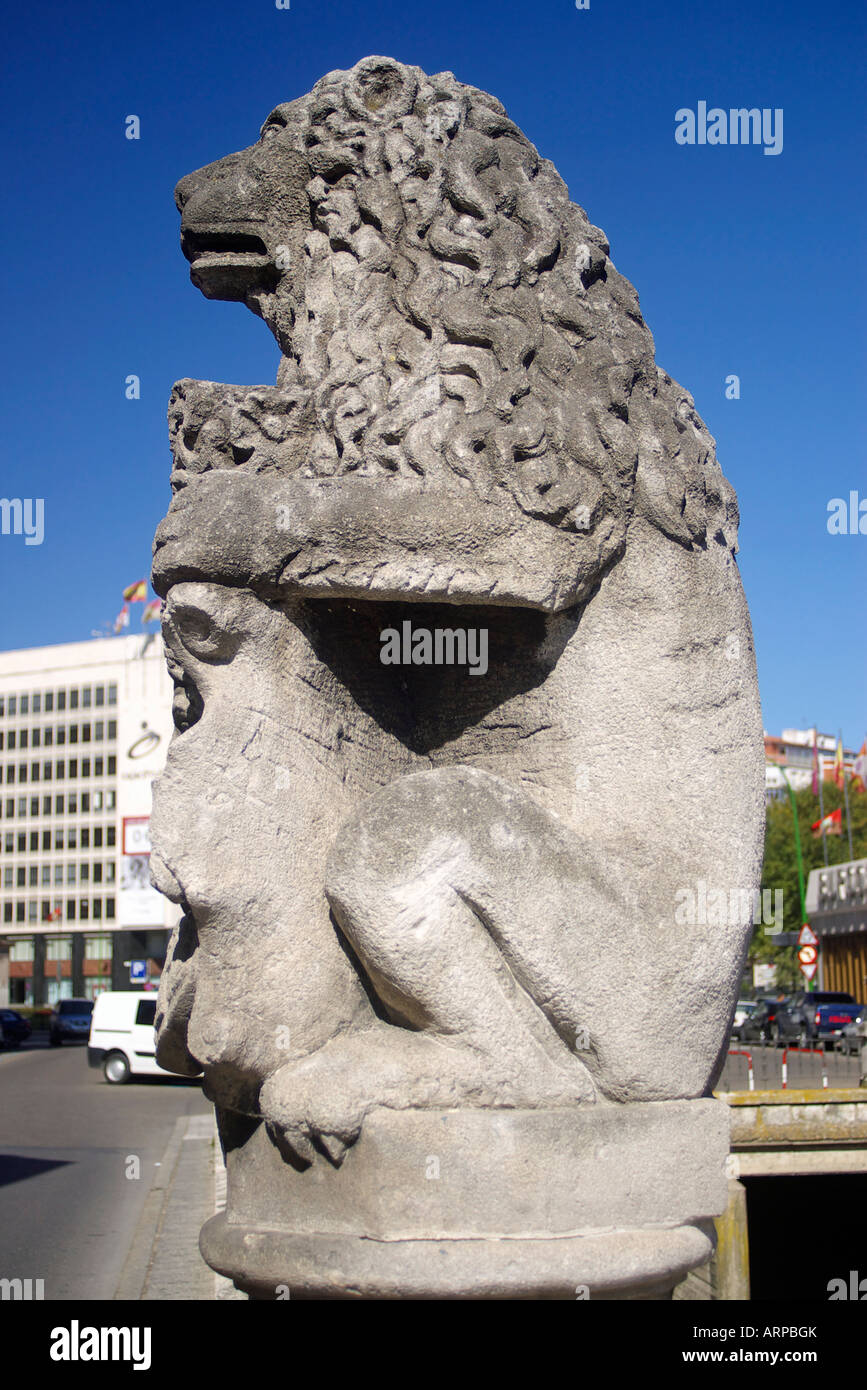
{"x": 68, "y": 1210}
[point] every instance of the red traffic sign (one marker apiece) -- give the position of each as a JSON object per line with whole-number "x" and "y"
{"x": 808, "y": 971}
{"x": 807, "y": 955}
{"x": 807, "y": 937}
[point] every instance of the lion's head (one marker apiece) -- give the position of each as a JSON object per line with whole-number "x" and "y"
{"x": 449, "y": 321}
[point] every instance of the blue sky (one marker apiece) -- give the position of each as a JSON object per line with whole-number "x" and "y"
{"x": 745, "y": 263}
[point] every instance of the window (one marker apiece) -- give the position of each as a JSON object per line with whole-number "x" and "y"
{"x": 97, "y": 801}
{"x": 46, "y": 772}
{"x": 85, "y": 733}
{"x": 59, "y": 838}
{"x": 85, "y": 767}
{"x": 46, "y": 876}
{"x": 59, "y": 803}
{"x": 36, "y": 738}
{"x": 97, "y": 837}
{"x": 58, "y": 948}
{"x": 97, "y": 873}
{"x": 60, "y": 771}
{"x": 8, "y": 842}
{"x": 146, "y": 1012}
{"x": 85, "y": 836}
{"x": 10, "y": 741}
{"x": 73, "y": 699}
{"x": 25, "y": 704}
{"x": 84, "y": 873}
{"x": 72, "y": 803}
{"x": 110, "y": 836}
{"x": 7, "y": 912}
{"x": 99, "y": 731}
{"x": 85, "y": 802}
{"x": 99, "y": 695}
{"x": 109, "y": 871}
{"x": 110, "y": 800}
{"x": 72, "y": 837}
{"x": 34, "y": 772}
{"x": 112, "y": 729}
{"x": 61, "y": 700}
{"x": 97, "y": 767}
{"x": 83, "y": 910}
{"x": 21, "y": 949}
{"x": 34, "y": 875}
{"x": 21, "y": 878}
{"x": 109, "y": 909}
{"x": 37, "y": 704}
{"x": 22, "y": 807}
{"x": 48, "y": 738}
{"x": 112, "y": 694}
{"x": 86, "y": 697}
{"x": 34, "y": 841}
{"x": 12, "y": 706}
{"x": 58, "y": 875}
{"x": 10, "y": 772}
{"x": 10, "y": 808}
{"x": 46, "y": 840}
{"x": 70, "y": 873}
{"x": 22, "y": 843}
{"x": 33, "y": 912}
{"x": 49, "y": 701}
{"x": 19, "y": 912}
{"x": 112, "y": 765}
{"x": 97, "y": 909}
{"x": 22, "y": 739}
{"x": 73, "y": 733}
{"x": 73, "y": 769}
{"x": 46, "y": 805}
{"x": 97, "y": 948}
{"x": 22, "y": 772}
{"x": 34, "y": 805}
{"x": 7, "y": 878}
{"x": 70, "y": 909}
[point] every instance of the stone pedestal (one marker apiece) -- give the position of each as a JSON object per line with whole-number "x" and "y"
{"x": 611, "y": 1202}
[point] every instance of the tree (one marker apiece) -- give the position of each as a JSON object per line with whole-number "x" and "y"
{"x": 780, "y": 867}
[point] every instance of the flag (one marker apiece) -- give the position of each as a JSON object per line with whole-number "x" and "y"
{"x": 122, "y": 619}
{"x": 838, "y": 764}
{"x": 815, "y": 786}
{"x": 137, "y": 592}
{"x": 859, "y": 779}
{"x": 152, "y": 611}
{"x": 832, "y": 824}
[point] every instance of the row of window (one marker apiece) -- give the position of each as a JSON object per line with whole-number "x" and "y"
{"x": 80, "y": 909}
{"x": 64, "y": 769}
{"x": 51, "y": 734}
{"x": 84, "y": 837}
{"x": 60, "y": 948}
{"x": 58, "y": 874}
{"x": 45, "y": 702}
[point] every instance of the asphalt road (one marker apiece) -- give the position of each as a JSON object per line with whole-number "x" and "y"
{"x": 67, "y": 1209}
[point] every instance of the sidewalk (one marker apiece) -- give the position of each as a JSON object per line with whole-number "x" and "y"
{"x": 163, "y": 1262}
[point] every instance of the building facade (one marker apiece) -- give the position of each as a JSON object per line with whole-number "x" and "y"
{"x": 84, "y": 729}
{"x": 837, "y": 912}
{"x": 792, "y": 752}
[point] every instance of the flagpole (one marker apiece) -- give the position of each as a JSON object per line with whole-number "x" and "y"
{"x": 846, "y": 798}
{"x": 820, "y": 779}
{"x": 797, "y": 847}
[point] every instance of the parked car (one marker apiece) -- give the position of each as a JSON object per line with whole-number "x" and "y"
{"x": 122, "y": 1036}
{"x": 853, "y": 1036}
{"x": 769, "y": 1022}
{"x": 743, "y": 1009}
{"x": 14, "y": 1030}
{"x": 70, "y": 1021}
{"x": 823, "y": 1015}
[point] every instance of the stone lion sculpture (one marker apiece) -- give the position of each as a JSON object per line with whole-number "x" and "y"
{"x": 404, "y": 889}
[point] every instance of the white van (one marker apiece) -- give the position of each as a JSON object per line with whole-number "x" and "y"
{"x": 122, "y": 1036}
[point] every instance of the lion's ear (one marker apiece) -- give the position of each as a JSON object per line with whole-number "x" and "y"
{"x": 380, "y": 90}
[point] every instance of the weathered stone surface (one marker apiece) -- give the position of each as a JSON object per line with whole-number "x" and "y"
{"x": 407, "y": 889}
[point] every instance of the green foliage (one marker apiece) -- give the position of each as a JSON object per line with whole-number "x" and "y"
{"x": 780, "y": 868}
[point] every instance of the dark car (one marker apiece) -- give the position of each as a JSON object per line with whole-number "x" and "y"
{"x": 70, "y": 1021}
{"x": 769, "y": 1022}
{"x": 14, "y": 1030}
{"x": 822, "y": 1016}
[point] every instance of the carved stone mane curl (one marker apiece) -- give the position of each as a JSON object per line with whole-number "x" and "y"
{"x": 481, "y": 336}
